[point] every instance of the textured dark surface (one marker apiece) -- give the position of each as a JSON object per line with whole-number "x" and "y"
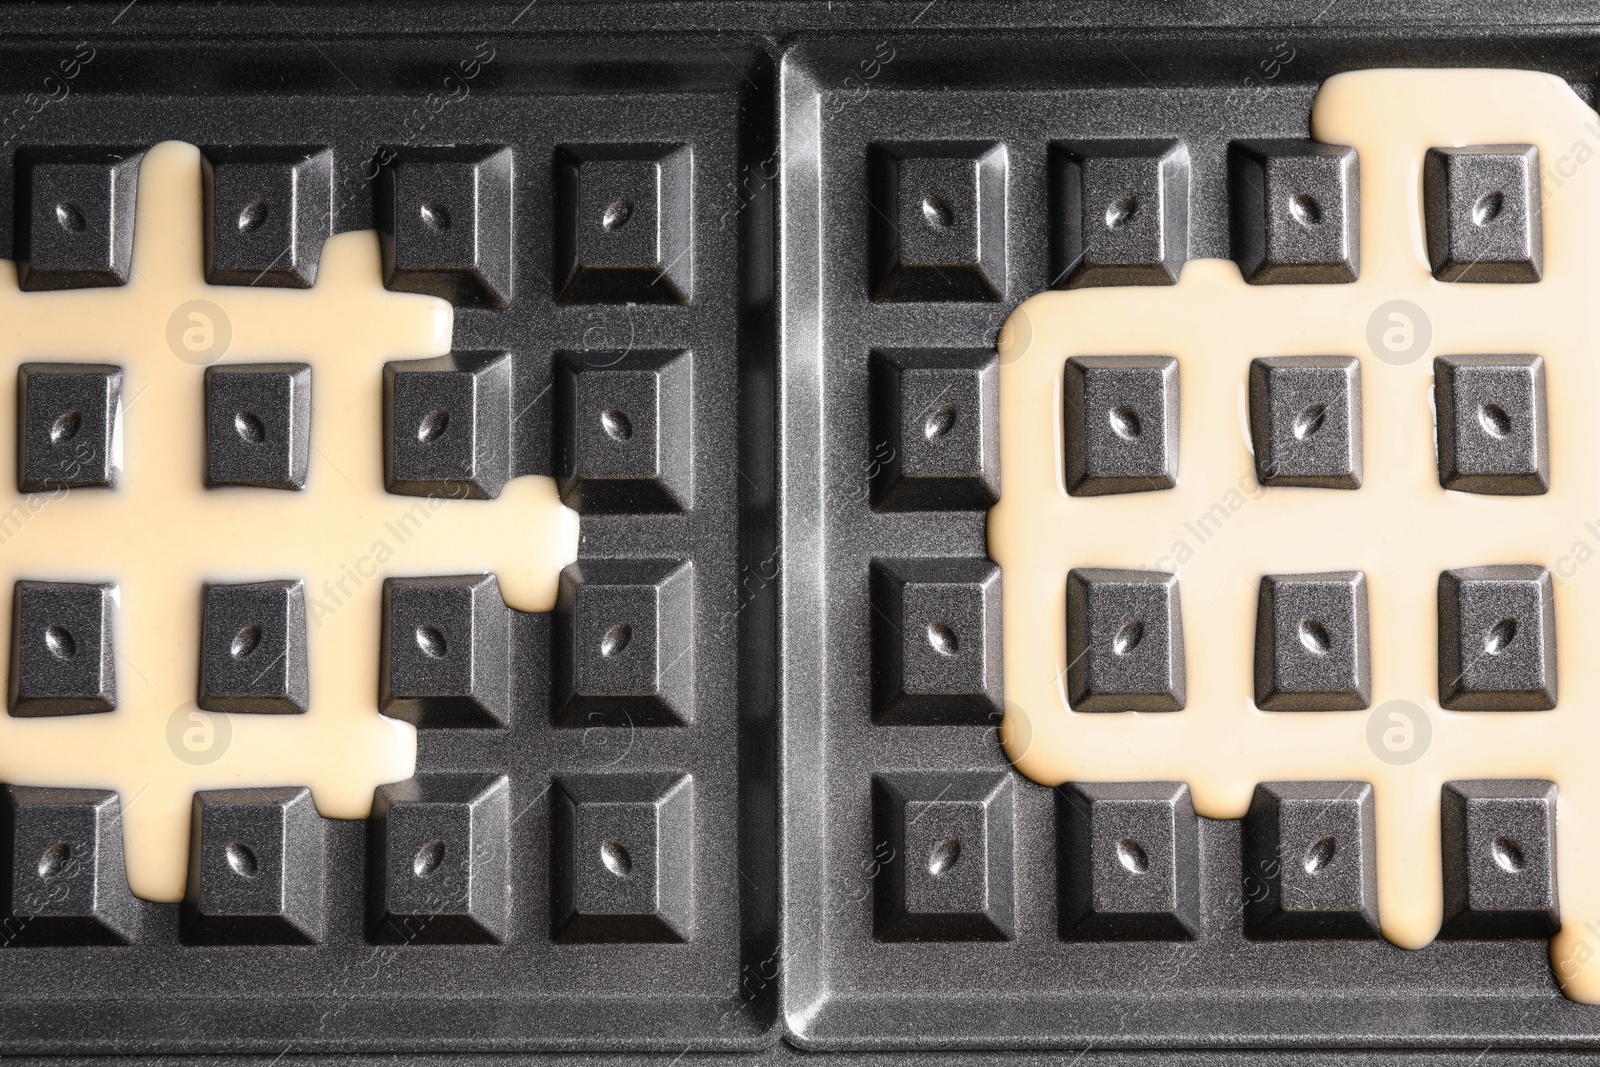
{"x": 1313, "y": 647}
{"x": 697, "y": 86}
{"x": 1494, "y": 433}
{"x": 1481, "y": 206}
{"x": 1305, "y": 421}
{"x": 66, "y": 418}
{"x": 1497, "y": 639}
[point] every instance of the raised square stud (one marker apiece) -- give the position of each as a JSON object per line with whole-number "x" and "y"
{"x": 446, "y": 654}
{"x": 935, "y": 429}
{"x": 946, "y": 845}
{"x": 1312, "y": 648}
{"x": 439, "y": 860}
{"x": 1295, "y": 211}
{"x": 256, "y": 868}
{"x": 447, "y": 425}
{"x": 1499, "y": 840}
{"x": 444, "y": 221}
{"x": 65, "y": 882}
{"x": 1494, "y": 434}
{"x": 268, "y": 210}
{"x": 1481, "y": 205}
{"x": 1129, "y": 859}
{"x": 1119, "y": 212}
{"x": 1305, "y": 421}
{"x": 622, "y": 858}
{"x": 936, "y": 642}
{"x": 61, "y": 650}
{"x": 67, "y": 416}
{"x": 625, "y": 431}
{"x": 624, "y": 644}
{"x": 258, "y": 425}
{"x": 1310, "y": 867}
{"x": 937, "y": 221}
{"x": 74, "y": 216}
{"x": 1497, "y": 639}
{"x": 624, "y": 224}
{"x": 1124, "y": 641}
{"x": 253, "y": 649}
{"x": 1120, "y": 423}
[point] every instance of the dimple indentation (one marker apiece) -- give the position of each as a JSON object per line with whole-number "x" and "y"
{"x": 1304, "y": 209}
{"x": 435, "y": 217}
{"x": 60, "y": 643}
{"x": 1494, "y": 420}
{"x": 427, "y": 859}
{"x": 616, "y": 858}
{"x": 1120, "y": 213}
{"x": 70, "y": 218}
{"x": 1128, "y": 638}
{"x": 65, "y": 428}
{"x": 1132, "y": 856}
{"x": 937, "y": 213}
{"x": 249, "y": 428}
{"x": 943, "y": 639}
{"x": 1125, "y": 423}
{"x": 54, "y": 859}
{"x": 616, "y": 424}
{"x": 944, "y": 855}
{"x": 245, "y": 642}
{"x": 1488, "y": 208}
{"x": 242, "y": 859}
{"x": 1319, "y": 855}
{"x": 1314, "y": 637}
{"x": 252, "y": 217}
{"x": 616, "y": 215}
{"x": 616, "y": 639}
{"x": 1499, "y": 637}
{"x": 433, "y": 426}
{"x": 432, "y": 642}
{"x": 1309, "y": 421}
{"x": 1507, "y": 854}
{"x": 938, "y": 423}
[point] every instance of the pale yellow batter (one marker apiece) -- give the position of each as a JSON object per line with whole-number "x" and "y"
{"x": 1220, "y": 532}
{"x": 160, "y": 535}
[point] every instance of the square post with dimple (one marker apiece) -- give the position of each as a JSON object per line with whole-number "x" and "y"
{"x": 1311, "y": 861}
{"x": 258, "y": 425}
{"x": 946, "y": 845}
{"x": 936, "y": 641}
{"x": 67, "y": 420}
{"x": 1499, "y": 838}
{"x": 1120, "y": 212}
{"x": 256, "y": 868}
{"x": 622, "y": 858}
{"x": 1494, "y": 433}
{"x": 268, "y": 211}
{"x": 74, "y": 216}
{"x": 62, "y": 656}
{"x": 444, "y": 222}
{"x": 624, "y": 224}
{"x": 938, "y": 221}
{"x": 1312, "y": 646}
{"x": 1295, "y": 211}
{"x": 935, "y": 429}
{"x": 1482, "y": 212}
{"x": 438, "y": 854}
{"x": 1497, "y": 639}
{"x": 1129, "y": 861}
{"x": 65, "y": 882}
{"x": 624, "y": 644}
{"x": 1124, "y": 641}
{"x": 1305, "y": 421}
{"x": 625, "y": 430}
{"x": 1120, "y": 424}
